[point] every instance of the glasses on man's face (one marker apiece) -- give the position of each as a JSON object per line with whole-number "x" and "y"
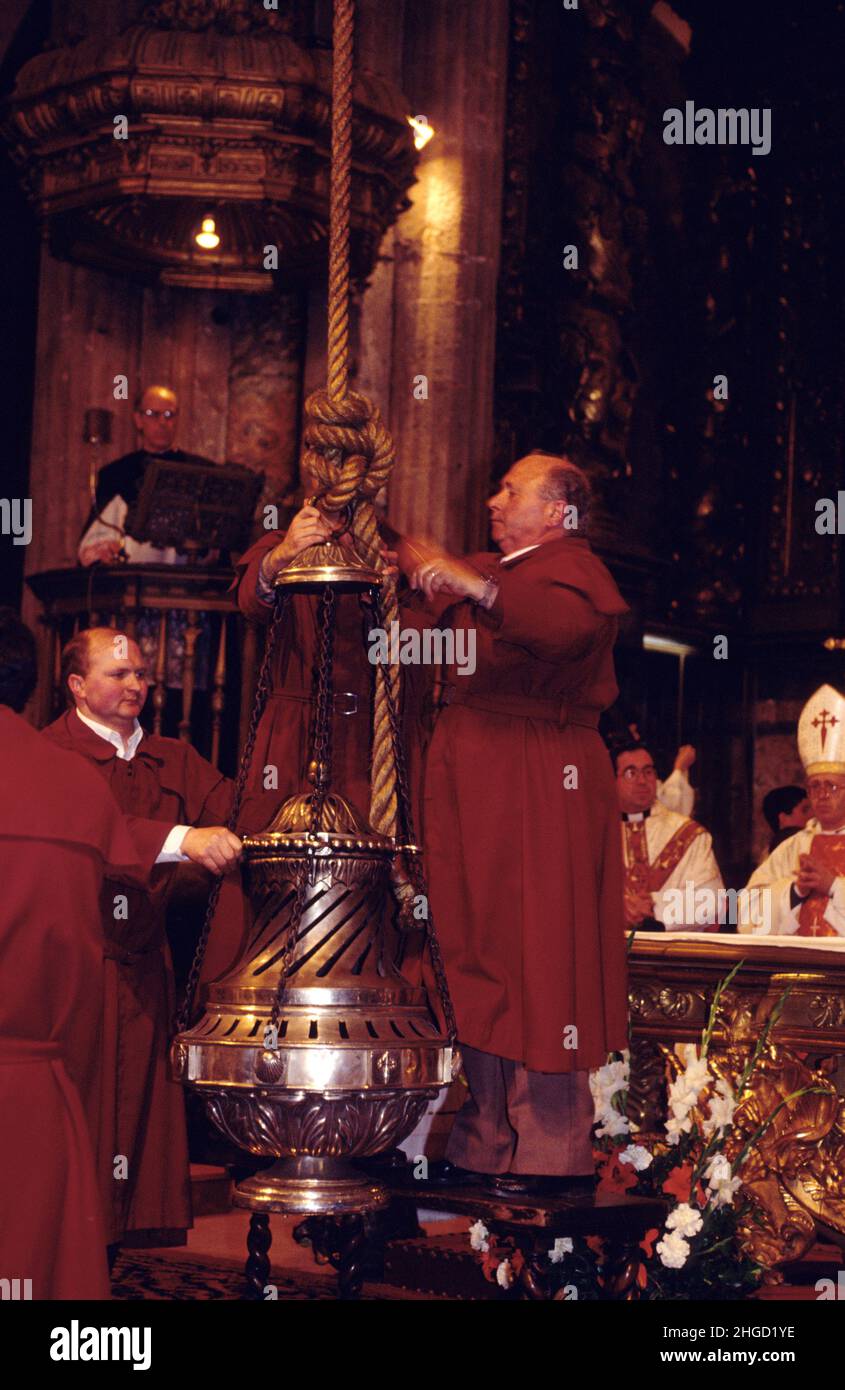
{"x": 825, "y": 788}
{"x": 631, "y": 774}
{"x": 159, "y": 414}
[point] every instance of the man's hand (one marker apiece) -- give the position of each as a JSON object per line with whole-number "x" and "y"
{"x": 390, "y": 561}
{"x": 684, "y": 758}
{"x": 813, "y": 878}
{"x": 104, "y": 552}
{"x": 214, "y": 847}
{"x": 448, "y": 575}
{"x": 308, "y": 527}
{"x": 638, "y": 906}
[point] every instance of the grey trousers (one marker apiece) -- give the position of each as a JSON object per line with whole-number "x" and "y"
{"x": 520, "y": 1121}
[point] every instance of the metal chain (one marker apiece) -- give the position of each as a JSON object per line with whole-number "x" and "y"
{"x": 416, "y": 873}
{"x": 322, "y": 732}
{"x": 261, "y": 694}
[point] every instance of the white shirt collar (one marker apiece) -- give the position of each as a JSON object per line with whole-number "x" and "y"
{"x": 514, "y": 555}
{"x": 127, "y": 751}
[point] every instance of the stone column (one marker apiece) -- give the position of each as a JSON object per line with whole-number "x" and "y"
{"x": 445, "y": 267}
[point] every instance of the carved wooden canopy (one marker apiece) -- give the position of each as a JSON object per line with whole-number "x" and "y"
{"x": 224, "y": 115}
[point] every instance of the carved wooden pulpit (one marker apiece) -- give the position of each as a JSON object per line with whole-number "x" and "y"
{"x": 796, "y": 1171}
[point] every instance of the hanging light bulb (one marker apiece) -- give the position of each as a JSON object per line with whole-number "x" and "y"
{"x": 207, "y": 237}
{"x": 422, "y": 130}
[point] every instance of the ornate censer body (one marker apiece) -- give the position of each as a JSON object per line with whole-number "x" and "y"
{"x": 345, "y": 1066}
{"x": 314, "y": 1048}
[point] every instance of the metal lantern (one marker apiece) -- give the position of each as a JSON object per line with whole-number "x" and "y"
{"x": 314, "y": 1049}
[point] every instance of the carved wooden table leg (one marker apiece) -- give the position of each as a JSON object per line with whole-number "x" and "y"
{"x": 352, "y": 1252}
{"x": 619, "y": 1270}
{"x": 258, "y": 1244}
{"x": 342, "y": 1242}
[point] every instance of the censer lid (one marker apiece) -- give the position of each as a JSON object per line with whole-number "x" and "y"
{"x": 331, "y": 563}
{"x": 339, "y": 827}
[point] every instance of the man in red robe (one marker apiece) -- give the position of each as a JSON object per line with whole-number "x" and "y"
{"x": 280, "y": 760}
{"x": 521, "y": 830}
{"x": 142, "y": 1149}
{"x": 60, "y": 832}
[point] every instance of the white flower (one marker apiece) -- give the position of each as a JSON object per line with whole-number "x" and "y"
{"x": 504, "y": 1274}
{"x": 562, "y": 1246}
{"x": 718, "y": 1169}
{"x": 676, "y": 1127}
{"x": 720, "y": 1182}
{"x": 478, "y": 1236}
{"x": 722, "y": 1107}
{"x": 724, "y": 1192}
{"x": 687, "y": 1087}
{"x": 685, "y": 1220}
{"x": 606, "y": 1082}
{"x": 673, "y": 1251}
{"x": 612, "y": 1124}
{"x": 637, "y": 1156}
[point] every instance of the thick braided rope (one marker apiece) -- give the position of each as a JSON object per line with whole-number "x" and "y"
{"x": 348, "y": 449}
{"x": 349, "y": 453}
{"x": 341, "y": 185}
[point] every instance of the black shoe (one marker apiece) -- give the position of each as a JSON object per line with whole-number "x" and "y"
{"x": 514, "y": 1184}
{"x": 442, "y": 1173}
{"x": 540, "y": 1185}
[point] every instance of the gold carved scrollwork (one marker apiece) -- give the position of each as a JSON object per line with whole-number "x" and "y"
{"x": 795, "y": 1170}
{"x": 676, "y": 1003}
{"x": 826, "y": 1010}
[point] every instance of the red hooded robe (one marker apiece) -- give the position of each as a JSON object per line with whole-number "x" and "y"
{"x": 60, "y": 830}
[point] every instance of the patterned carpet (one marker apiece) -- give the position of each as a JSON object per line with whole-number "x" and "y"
{"x": 139, "y": 1275}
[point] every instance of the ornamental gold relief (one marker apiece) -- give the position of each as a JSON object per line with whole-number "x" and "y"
{"x": 795, "y": 1173}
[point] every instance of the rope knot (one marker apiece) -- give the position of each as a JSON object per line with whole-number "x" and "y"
{"x": 348, "y": 450}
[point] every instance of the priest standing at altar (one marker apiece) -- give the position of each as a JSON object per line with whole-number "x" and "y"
{"x": 672, "y": 879}
{"x": 521, "y": 830}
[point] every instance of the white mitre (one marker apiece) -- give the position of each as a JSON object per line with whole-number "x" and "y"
{"x": 821, "y": 732}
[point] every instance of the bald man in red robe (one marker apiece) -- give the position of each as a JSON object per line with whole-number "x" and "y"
{"x": 60, "y": 832}
{"x": 142, "y": 1136}
{"x": 521, "y": 830}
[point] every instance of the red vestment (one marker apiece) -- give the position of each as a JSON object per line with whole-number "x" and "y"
{"x": 282, "y": 740}
{"x": 525, "y": 872}
{"x": 829, "y": 851}
{"x": 142, "y": 1112}
{"x": 59, "y": 830}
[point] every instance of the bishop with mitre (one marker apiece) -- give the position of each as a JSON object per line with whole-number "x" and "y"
{"x": 802, "y": 882}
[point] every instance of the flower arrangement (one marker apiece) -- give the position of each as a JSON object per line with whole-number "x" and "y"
{"x": 695, "y": 1165}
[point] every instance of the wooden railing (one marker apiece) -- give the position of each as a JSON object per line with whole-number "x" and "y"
{"x": 116, "y": 597}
